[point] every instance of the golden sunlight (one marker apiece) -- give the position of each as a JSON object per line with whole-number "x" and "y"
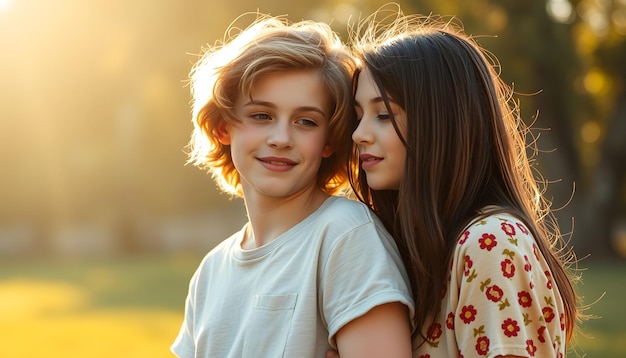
{"x": 591, "y": 132}
{"x": 595, "y": 82}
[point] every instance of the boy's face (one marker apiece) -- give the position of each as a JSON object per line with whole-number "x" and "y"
{"x": 280, "y": 141}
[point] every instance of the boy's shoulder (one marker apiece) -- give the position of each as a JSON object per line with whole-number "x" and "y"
{"x": 340, "y": 216}
{"x": 343, "y": 208}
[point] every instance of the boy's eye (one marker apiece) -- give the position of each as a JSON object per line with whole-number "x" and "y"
{"x": 260, "y": 116}
{"x": 306, "y": 122}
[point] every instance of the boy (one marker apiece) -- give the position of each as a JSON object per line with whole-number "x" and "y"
{"x": 310, "y": 270}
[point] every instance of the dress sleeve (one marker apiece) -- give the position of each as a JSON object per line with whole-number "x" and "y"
{"x": 361, "y": 270}
{"x": 507, "y": 302}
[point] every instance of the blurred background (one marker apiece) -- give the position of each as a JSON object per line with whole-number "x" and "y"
{"x": 102, "y": 224}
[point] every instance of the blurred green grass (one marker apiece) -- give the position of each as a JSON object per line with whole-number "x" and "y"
{"x": 130, "y": 307}
{"x": 603, "y": 289}
{"x": 133, "y": 306}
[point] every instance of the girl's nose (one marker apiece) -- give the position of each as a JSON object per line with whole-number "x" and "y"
{"x": 362, "y": 133}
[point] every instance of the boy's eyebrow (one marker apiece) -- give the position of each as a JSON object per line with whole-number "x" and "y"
{"x": 272, "y": 105}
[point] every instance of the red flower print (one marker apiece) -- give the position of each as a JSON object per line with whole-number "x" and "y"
{"x": 548, "y": 314}
{"x": 524, "y": 299}
{"x": 468, "y": 314}
{"x": 549, "y": 278}
{"x": 562, "y": 321}
{"x": 527, "y": 266}
{"x": 510, "y": 327}
{"x": 434, "y": 332}
{"x": 530, "y": 347}
{"x": 482, "y": 345}
{"x": 540, "y": 334}
{"x": 508, "y": 229}
{"x": 536, "y": 251}
{"x": 488, "y": 241}
{"x": 468, "y": 263}
{"x": 508, "y": 269}
{"x": 522, "y": 228}
{"x": 494, "y": 293}
{"x": 450, "y": 321}
{"x": 463, "y": 238}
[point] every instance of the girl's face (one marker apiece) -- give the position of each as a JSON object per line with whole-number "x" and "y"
{"x": 381, "y": 151}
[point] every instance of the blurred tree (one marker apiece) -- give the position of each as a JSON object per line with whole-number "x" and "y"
{"x": 565, "y": 60}
{"x": 94, "y": 111}
{"x": 601, "y": 37}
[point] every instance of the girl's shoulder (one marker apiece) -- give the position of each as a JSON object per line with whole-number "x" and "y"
{"x": 498, "y": 231}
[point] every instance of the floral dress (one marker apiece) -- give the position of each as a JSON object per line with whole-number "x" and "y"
{"x": 500, "y": 298}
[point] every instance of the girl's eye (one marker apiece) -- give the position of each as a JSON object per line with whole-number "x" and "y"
{"x": 306, "y": 122}
{"x": 383, "y": 116}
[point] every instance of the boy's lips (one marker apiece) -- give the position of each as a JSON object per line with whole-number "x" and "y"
{"x": 277, "y": 163}
{"x": 277, "y": 160}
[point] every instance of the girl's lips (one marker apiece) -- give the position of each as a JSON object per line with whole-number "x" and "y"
{"x": 368, "y": 161}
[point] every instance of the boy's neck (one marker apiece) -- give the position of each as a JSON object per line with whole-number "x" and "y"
{"x": 271, "y": 217}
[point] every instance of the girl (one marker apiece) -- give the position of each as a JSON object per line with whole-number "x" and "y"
{"x": 442, "y": 161}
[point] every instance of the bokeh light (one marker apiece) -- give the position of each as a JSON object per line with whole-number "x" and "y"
{"x": 590, "y": 132}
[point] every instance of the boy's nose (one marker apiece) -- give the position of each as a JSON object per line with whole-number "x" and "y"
{"x": 280, "y": 135}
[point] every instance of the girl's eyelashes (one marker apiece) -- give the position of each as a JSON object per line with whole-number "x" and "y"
{"x": 378, "y": 111}
{"x": 379, "y": 116}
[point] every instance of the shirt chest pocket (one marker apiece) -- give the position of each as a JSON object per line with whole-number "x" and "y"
{"x": 269, "y": 324}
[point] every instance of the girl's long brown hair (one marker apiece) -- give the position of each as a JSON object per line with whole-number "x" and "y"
{"x": 465, "y": 150}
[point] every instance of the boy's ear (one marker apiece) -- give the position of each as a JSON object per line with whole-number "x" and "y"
{"x": 328, "y": 151}
{"x": 222, "y": 134}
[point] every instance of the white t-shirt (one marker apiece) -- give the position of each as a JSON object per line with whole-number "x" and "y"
{"x": 290, "y": 297}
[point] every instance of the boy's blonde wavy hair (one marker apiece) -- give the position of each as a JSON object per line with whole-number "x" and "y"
{"x": 232, "y": 67}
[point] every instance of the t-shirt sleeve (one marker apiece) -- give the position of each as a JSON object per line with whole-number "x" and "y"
{"x": 183, "y": 345}
{"x": 362, "y": 270}
{"x": 506, "y": 294}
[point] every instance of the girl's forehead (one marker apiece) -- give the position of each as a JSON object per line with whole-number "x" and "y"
{"x": 366, "y": 87}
